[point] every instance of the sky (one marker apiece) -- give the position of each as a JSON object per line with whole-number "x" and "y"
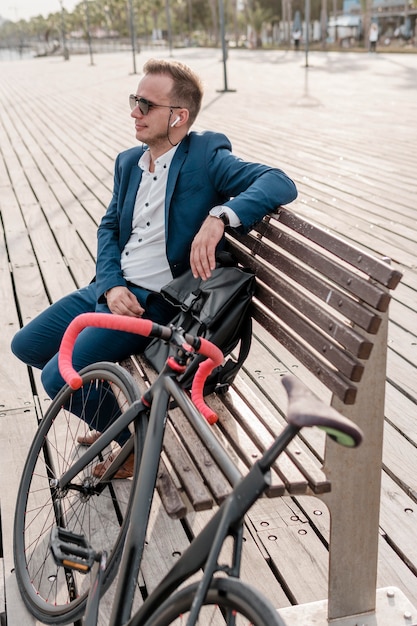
{"x": 25, "y": 9}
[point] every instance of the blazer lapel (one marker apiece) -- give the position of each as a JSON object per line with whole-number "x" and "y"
{"x": 173, "y": 173}
{"x": 126, "y": 217}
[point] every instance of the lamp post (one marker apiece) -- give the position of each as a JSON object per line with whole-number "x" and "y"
{"x": 335, "y": 20}
{"x": 169, "y": 27}
{"x": 65, "y": 50}
{"x": 132, "y": 34}
{"x": 224, "y": 48}
{"x": 87, "y": 18}
{"x": 307, "y": 18}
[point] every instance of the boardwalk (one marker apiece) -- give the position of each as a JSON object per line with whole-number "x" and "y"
{"x": 344, "y": 129}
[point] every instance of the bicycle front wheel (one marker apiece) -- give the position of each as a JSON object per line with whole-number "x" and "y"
{"x": 98, "y": 511}
{"x": 227, "y": 600}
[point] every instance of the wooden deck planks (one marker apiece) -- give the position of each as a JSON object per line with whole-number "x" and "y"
{"x": 354, "y": 160}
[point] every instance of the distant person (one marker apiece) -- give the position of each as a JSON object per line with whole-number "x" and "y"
{"x": 373, "y": 37}
{"x": 296, "y": 38}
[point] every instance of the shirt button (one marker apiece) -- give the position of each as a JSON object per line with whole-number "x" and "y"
{"x": 139, "y": 240}
{"x": 148, "y": 223}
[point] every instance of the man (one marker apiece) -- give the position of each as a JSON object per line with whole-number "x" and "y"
{"x": 173, "y": 197}
{"x": 373, "y": 36}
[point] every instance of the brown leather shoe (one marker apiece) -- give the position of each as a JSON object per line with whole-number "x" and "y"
{"x": 89, "y": 438}
{"x": 125, "y": 471}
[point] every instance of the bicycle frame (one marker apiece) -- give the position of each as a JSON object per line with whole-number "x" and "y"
{"x": 153, "y": 408}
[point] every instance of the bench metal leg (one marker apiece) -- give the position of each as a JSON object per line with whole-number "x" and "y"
{"x": 354, "y": 501}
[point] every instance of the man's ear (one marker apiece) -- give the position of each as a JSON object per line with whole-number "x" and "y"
{"x": 181, "y": 118}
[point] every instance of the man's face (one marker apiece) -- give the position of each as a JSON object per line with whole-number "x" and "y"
{"x": 153, "y": 127}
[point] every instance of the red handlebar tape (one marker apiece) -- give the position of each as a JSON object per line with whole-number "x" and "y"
{"x": 141, "y": 327}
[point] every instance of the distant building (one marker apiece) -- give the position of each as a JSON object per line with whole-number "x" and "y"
{"x": 396, "y": 20}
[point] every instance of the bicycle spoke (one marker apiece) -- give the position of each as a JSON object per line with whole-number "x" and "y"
{"x": 85, "y": 507}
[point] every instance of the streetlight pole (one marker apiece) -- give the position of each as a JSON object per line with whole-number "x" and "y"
{"x": 335, "y": 20}
{"x": 87, "y": 18}
{"x": 169, "y": 27}
{"x": 65, "y": 50}
{"x": 132, "y": 34}
{"x": 224, "y": 48}
{"x": 307, "y": 18}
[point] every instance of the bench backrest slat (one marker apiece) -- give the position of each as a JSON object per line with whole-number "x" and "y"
{"x": 321, "y": 298}
{"x": 290, "y": 269}
{"x": 337, "y": 355}
{"x": 377, "y": 270}
{"x": 338, "y": 384}
{"x": 282, "y": 289}
{"x": 326, "y": 266}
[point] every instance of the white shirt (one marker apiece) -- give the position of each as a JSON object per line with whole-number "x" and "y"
{"x": 144, "y": 261}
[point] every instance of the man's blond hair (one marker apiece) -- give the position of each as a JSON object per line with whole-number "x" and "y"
{"x": 187, "y": 91}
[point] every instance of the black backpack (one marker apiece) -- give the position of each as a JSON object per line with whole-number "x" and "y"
{"x": 217, "y": 309}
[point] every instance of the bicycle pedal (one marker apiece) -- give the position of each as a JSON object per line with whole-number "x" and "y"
{"x": 71, "y": 550}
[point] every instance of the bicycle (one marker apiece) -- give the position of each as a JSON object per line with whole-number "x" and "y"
{"x": 52, "y": 566}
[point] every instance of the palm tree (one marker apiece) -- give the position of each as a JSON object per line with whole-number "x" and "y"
{"x": 257, "y": 16}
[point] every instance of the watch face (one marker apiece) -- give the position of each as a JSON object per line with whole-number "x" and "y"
{"x": 224, "y": 218}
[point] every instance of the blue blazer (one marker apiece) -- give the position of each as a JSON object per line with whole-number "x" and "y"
{"x": 203, "y": 173}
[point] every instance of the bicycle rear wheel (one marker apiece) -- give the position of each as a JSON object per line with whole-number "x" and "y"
{"x": 225, "y": 598}
{"x": 53, "y": 594}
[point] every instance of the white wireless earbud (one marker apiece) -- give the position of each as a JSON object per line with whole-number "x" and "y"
{"x": 177, "y": 119}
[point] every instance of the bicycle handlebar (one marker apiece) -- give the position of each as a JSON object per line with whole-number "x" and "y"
{"x": 146, "y": 328}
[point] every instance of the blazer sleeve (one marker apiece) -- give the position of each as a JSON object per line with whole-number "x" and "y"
{"x": 253, "y": 189}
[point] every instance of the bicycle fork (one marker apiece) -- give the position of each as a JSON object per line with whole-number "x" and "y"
{"x": 212, "y": 564}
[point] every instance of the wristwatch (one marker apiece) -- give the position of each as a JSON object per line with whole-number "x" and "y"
{"x": 223, "y": 217}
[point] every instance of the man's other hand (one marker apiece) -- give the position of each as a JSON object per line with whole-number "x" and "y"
{"x": 121, "y": 301}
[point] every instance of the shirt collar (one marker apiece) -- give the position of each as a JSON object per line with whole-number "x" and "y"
{"x": 164, "y": 161}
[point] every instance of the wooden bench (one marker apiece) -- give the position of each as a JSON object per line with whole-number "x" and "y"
{"x": 320, "y": 311}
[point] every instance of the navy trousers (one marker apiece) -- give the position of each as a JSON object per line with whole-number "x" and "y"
{"x": 37, "y": 343}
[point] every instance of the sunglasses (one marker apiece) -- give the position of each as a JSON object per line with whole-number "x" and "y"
{"x": 145, "y": 105}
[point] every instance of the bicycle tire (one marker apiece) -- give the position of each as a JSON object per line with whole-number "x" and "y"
{"x": 53, "y": 594}
{"x": 245, "y": 603}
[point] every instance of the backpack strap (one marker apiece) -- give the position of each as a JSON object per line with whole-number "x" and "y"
{"x": 228, "y": 371}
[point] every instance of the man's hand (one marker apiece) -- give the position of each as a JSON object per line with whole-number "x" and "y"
{"x": 121, "y": 301}
{"x": 203, "y": 248}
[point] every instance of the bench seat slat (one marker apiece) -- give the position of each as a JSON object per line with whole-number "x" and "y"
{"x": 168, "y": 492}
{"x": 212, "y": 475}
{"x": 188, "y": 476}
{"x": 295, "y": 458}
{"x": 245, "y": 452}
{"x": 193, "y": 465}
{"x": 191, "y": 444}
